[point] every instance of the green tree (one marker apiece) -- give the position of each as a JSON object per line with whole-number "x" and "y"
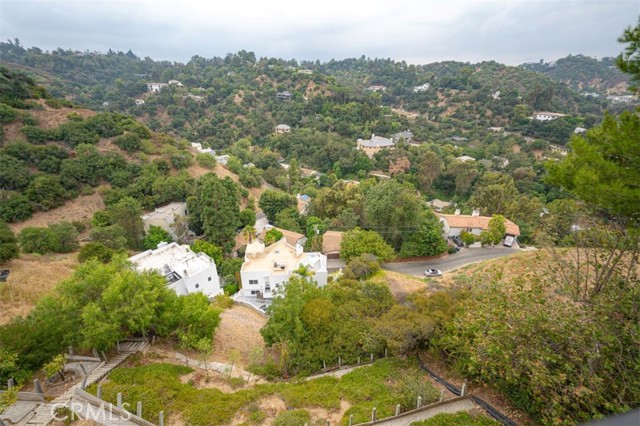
{"x": 46, "y": 192}
{"x": 215, "y": 210}
{"x": 427, "y": 240}
{"x": 155, "y": 236}
{"x": 210, "y": 249}
{"x": 602, "y": 167}
{"x": 273, "y": 235}
{"x": 36, "y": 240}
{"x": 494, "y": 194}
{"x": 629, "y": 60}
{"x": 65, "y": 237}
{"x": 96, "y": 251}
{"x": 358, "y": 242}
{"x": 273, "y": 202}
{"x": 112, "y": 236}
{"x": 393, "y": 210}
{"x": 127, "y": 215}
{"x": 496, "y": 230}
{"x": 8, "y": 244}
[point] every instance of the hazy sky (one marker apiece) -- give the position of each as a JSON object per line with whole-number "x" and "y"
{"x": 418, "y": 31}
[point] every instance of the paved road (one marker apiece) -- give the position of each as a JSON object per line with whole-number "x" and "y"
{"x": 454, "y": 261}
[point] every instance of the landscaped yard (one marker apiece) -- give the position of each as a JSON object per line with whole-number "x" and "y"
{"x": 382, "y": 385}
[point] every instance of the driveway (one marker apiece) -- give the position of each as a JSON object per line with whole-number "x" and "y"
{"x": 454, "y": 261}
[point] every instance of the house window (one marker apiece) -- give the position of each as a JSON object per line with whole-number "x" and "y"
{"x": 253, "y": 292}
{"x": 197, "y": 285}
{"x": 253, "y": 282}
{"x": 209, "y": 279}
{"x": 267, "y": 287}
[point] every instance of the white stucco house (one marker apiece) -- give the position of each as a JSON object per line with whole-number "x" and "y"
{"x": 165, "y": 217}
{"x": 267, "y": 269}
{"x": 156, "y": 87}
{"x": 547, "y": 116}
{"x": 186, "y": 272}
{"x": 283, "y": 128}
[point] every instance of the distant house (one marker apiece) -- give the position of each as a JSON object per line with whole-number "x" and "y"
{"x": 105, "y": 104}
{"x": 222, "y": 159}
{"x": 438, "y": 205}
{"x": 620, "y": 98}
{"x": 453, "y": 225}
{"x": 379, "y": 174}
{"x": 165, "y": 217}
{"x": 374, "y": 145}
{"x": 284, "y": 96}
{"x": 547, "y": 116}
{"x": 186, "y": 272}
{"x": 578, "y": 130}
{"x": 497, "y": 129}
{"x": 267, "y": 269}
{"x": 564, "y": 151}
{"x": 465, "y": 159}
{"x": 283, "y": 128}
{"x": 496, "y": 95}
{"x": 292, "y": 237}
{"x": 308, "y": 72}
{"x": 591, "y": 94}
{"x": 422, "y": 88}
{"x": 175, "y": 83}
{"x": 200, "y": 149}
{"x": 139, "y": 102}
{"x": 303, "y": 203}
{"x": 407, "y": 136}
{"x": 156, "y": 87}
{"x": 457, "y": 138}
{"x": 331, "y": 241}
{"x": 376, "y": 88}
{"x": 193, "y": 97}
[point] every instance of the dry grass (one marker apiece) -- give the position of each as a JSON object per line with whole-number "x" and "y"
{"x": 239, "y": 330}
{"x": 79, "y": 209}
{"x": 31, "y": 278}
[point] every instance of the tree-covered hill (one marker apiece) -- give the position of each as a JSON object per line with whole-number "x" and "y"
{"x": 584, "y": 73}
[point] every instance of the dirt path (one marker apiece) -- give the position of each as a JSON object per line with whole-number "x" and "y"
{"x": 239, "y": 330}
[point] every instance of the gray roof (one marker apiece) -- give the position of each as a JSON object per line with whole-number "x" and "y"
{"x": 376, "y": 141}
{"x": 406, "y": 135}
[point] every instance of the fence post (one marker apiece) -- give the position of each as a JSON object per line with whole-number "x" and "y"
{"x": 397, "y": 409}
{"x": 350, "y": 419}
{"x": 119, "y": 400}
{"x": 161, "y": 418}
{"x": 339, "y": 361}
{"x": 419, "y": 402}
{"x": 358, "y": 360}
{"x": 371, "y": 357}
{"x": 70, "y": 350}
{"x": 385, "y": 352}
{"x": 324, "y": 366}
{"x": 9, "y": 384}
{"x": 139, "y": 409}
{"x": 441, "y": 394}
{"x": 374, "y": 417}
{"x": 104, "y": 357}
{"x": 99, "y": 393}
{"x": 464, "y": 387}
{"x": 95, "y": 353}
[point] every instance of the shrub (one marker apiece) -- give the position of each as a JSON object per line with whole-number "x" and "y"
{"x": 8, "y": 243}
{"x": 362, "y": 267}
{"x": 130, "y": 142}
{"x": 292, "y": 418}
{"x": 272, "y": 236}
{"x": 207, "y": 161}
{"x": 468, "y": 238}
{"x": 96, "y": 251}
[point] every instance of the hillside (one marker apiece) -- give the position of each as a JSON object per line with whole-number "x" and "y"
{"x": 584, "y": 74}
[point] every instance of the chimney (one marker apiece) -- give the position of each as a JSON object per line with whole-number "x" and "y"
{"x": 457, "y": 212}
{"x": 373, "y": 135}
{"x": 475, "y": 213}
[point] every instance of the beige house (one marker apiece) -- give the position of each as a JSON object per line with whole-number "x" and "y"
{"x": 331, "y": 241}
{"x": 454, "y": 224}
{"x": 283, "y": 128}
{"x": 374, "y": 145}
{"x": 293, "y": 238}
{"x": 266, "y": 270}
{"x": 165, "y": 217}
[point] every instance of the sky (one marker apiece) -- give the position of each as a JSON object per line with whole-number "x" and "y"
{"x": 416, "y": 31}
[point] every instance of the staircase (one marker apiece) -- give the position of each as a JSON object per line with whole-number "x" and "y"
{"x": 45, "y": 413}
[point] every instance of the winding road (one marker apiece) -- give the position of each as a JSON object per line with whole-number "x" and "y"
{"x": 454, "y": 261}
